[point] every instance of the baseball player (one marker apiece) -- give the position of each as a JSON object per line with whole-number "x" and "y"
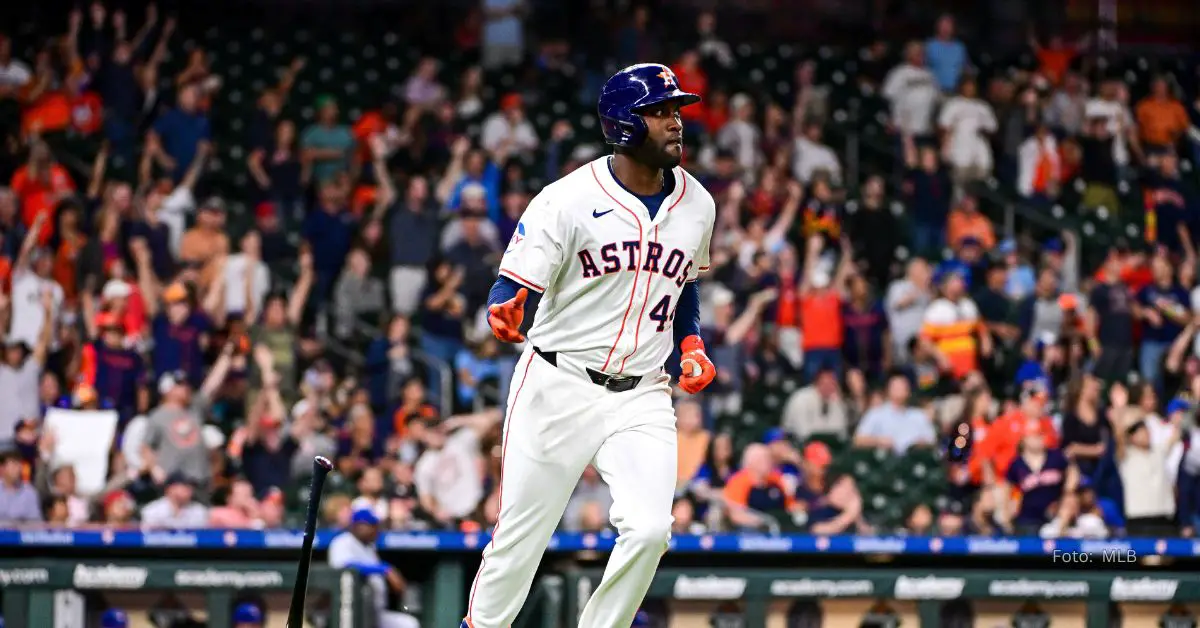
{"x": 604, "y": 265}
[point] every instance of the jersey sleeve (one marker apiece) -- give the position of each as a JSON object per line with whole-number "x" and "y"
{"x": 536, "y": 249}
{"x": 703, "y": 261}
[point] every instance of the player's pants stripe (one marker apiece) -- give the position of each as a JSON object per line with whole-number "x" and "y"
{"x": 637, "y": 270}
{"x": 500, "y": 498}
{"x": 637, "y": 329}
{"x": 521, "y": 280}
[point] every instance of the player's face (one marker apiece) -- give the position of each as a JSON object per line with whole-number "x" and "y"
{"x": 663, "y": 147}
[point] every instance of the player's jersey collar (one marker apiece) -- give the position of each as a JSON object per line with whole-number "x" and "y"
{"x": 614, "y": 191}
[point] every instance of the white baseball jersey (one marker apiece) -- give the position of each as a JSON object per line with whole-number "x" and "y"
{"x": 609, "y": 274}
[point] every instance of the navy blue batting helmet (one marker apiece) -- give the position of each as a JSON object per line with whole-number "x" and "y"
{"x": 113, "y": 618}
{"x": 630, "y": 90}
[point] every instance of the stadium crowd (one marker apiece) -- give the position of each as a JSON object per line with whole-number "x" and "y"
{"x": 337, "y": 312}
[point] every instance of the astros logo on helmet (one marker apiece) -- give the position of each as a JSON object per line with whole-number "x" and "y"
{"x": 630, "y": 90}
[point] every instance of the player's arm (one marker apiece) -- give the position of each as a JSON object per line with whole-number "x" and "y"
{"x": 510, "y": 309}
{"x": 696, "y": 370}
{"x": 534, "y": 256}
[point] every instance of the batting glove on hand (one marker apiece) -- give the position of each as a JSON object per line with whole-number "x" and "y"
{"x": 505, "y": 318}
{"x": 698, "y": 370}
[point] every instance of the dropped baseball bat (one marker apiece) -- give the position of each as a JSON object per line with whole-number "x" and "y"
{"x": 321, "y": 468}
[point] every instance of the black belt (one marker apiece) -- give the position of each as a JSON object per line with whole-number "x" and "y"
{"x": 615, "y": 383}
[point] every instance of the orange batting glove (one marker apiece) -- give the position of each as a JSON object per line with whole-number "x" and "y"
{"x": 505, "y": 318}
{"x": 698, "y": 370}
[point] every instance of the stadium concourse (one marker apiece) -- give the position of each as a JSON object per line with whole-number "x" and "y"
{"x": 229, "y": 248}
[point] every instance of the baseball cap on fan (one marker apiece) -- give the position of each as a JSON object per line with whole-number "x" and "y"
{"x": 170, "y": 380}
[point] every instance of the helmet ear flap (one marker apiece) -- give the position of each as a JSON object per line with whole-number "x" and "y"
{"x": 627, "y": 130}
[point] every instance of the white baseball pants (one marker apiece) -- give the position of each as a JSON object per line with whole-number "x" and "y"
{"x": 558, "y": 422}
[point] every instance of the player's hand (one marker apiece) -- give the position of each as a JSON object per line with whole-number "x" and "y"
{"x": 505, "y": 318}
{"x": 698, "y": 370}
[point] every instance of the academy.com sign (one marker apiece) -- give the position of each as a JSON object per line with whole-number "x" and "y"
{"x": 219, "y": 578}
{"x": 1148, "y": 589}
{"x": 821, "y": 588}
{"x": 709, "y": 588}
{"x": 929, "y": 588}
{"x": 23, "y": 577}
{"x": 1038, "y": 588}
{"x": 109, "y": 577}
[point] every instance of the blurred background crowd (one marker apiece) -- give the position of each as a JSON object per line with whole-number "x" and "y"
{"x": 953, "y": 291}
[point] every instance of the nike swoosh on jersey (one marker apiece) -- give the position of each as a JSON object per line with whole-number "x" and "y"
{"x": 597, "y": 213}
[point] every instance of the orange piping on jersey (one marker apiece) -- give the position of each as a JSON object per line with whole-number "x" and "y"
{"x": 521, "y": 280}
{"x": 682, "y": 193}
{"x": 500, "y": 497}
{"x": 637, "y": 329}
{"x": 637, "y": 269}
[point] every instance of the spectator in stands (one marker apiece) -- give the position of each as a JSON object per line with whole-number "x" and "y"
{"x": 326, "y": 146}
{"x": 422, "y": 90}
{"x": 928, "y": 189}
{"x": 967, "y": 121}
{"x": 589, "y": 503}
{"x": 1109, "y": 104}
{"x": 503, "y": 32}
{"x": 476, "y": 366}
{"x": 178, "y": 133}
{"x": 507, "y": 133}
{"x": 413, "y": 233}
{"x": 894, "y": 425}
{"x": 905, "y": 304}
{"x": 1041, "y": 476}
{"x": 62, "y": 486}
{"x": 117, "y": 509}
{"x": 176, "y": 509}
{"x": 1161, "y": 118}
{"x": 1110, "y": 322}
{"x": 370, "y": 493}
{"x": 1065, "y": 111}
{"x": 39, "y": 186}
{"x": 205, "y": 247}
{"x": 1149, "y": 489}
{"x": 818, "y": 408}
{"x": 1163, "y": 309}
{"x": 1173, "y": 205}
{"x": 357, "y": 296}
{"x": 18, "y": 499}
{"x": 240, "y": 509}
{"x": 755, "y": 496}
{"x": 811, "y": 156}
{"x": 269, "y": 444}
{"x": 822, "y": 294}
{"x": 831, "y": 504}
{"x": 913, "y": 92}
{"x": 329, "y": 230}
{"x": 1098, "y": 168}
{"x": 1078, "y": 516}
{"x": 951, "y": 330}
{"x": 449, "y": 486}
{"x": 867, "y": 347}
{"x": 740, "y": 135}
{"x": 719, "y": 465}
{"x": 14, "y": 73}
{"x": 1085, "y": 429}
{"x": 1039, "y": 175}
{"x": 946, "y": 55}
{"x": 875, "y": 232}
{"x": 21, "y": 368}
{"x": 173, "y": 443}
